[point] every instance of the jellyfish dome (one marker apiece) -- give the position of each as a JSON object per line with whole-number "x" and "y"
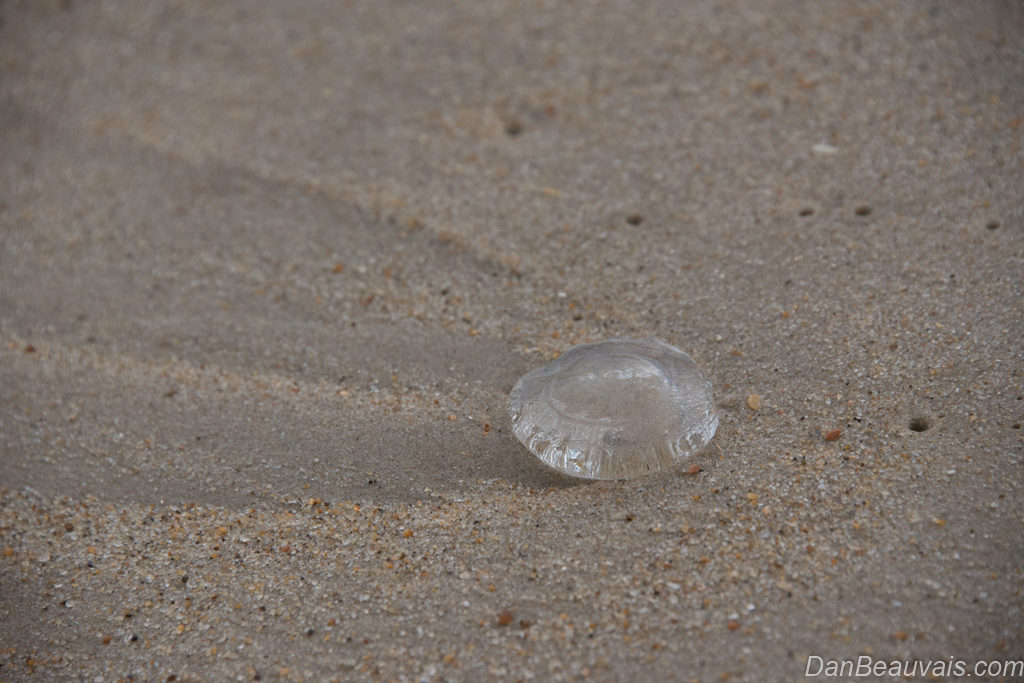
{"x": 614, "y": 409}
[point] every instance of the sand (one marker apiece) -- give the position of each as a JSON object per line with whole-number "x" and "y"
{"x": 268, "y": 272}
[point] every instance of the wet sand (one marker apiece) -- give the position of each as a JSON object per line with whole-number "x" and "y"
{"x": 268, "y": 272}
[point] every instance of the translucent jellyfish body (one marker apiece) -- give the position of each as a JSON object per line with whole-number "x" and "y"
{"x": 614, "y": 409}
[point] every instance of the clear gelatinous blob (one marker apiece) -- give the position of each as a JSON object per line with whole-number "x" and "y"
{"x": 614, "y": 409}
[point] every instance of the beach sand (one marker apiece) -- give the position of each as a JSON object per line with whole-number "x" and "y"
{"x": 268, "y": 272}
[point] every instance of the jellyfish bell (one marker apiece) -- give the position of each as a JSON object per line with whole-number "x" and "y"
{"x": 614, "y": 409}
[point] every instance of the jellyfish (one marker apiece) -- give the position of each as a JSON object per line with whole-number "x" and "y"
{"x": 614, "y": 409}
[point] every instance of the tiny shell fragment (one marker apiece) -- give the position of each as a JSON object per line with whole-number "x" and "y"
{"x": 833, "y": 435}
{"x": 754, "y": 402}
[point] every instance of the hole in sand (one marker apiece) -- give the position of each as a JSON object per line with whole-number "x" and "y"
{"x": 863, "y": 211}
{"x": 513, "y": 128}
{"x": 634, "y": 219}
{"x": 806, "y": 211}
{"x": 993, "y": 225}
{"x": 920, "y": 424}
